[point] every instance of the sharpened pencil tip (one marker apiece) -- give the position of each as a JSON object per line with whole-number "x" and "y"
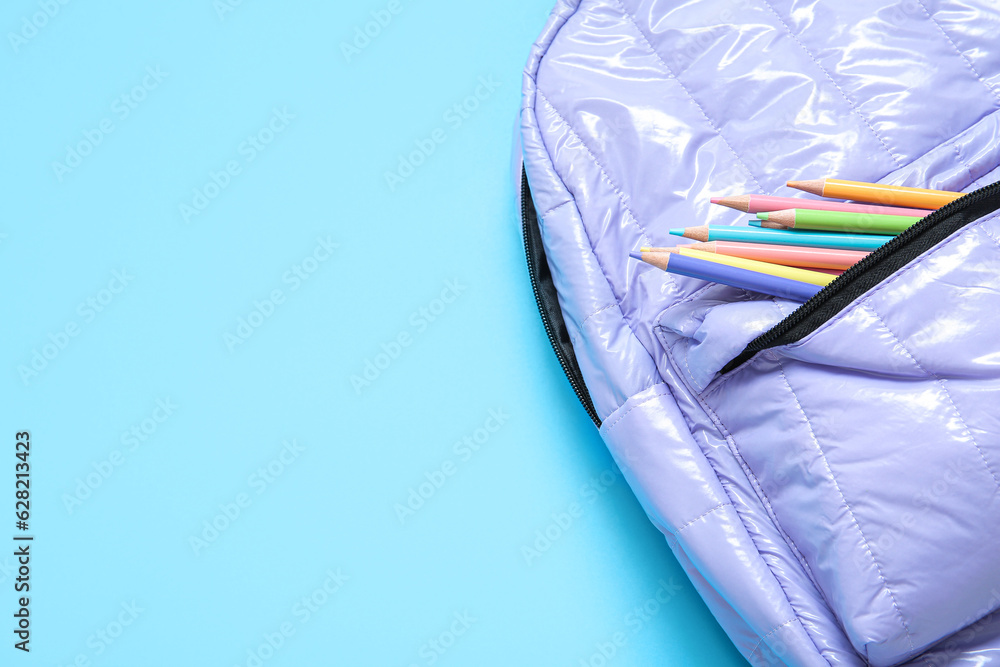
{"x": 754, "y": 223}
{"x": 677, "y": 231}
{"x": 635, "y": 255}
{"x": 815, "y": 187}
{"x": 762, "y": 216}
{"x": 715, "y": 200}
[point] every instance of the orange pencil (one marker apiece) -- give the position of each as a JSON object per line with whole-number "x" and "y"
{"x": 877, "y": 193}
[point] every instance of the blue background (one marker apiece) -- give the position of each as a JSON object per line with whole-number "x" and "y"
{"x": 116, "y": 519}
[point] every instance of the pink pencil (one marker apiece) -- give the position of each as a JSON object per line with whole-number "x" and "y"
{"x": 766, "y": 204}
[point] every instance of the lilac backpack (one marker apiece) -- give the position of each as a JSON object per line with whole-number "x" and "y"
{"x": 828, "y": 474}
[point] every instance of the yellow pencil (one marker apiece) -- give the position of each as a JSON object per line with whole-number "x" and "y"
{"x": 790, "y": 272}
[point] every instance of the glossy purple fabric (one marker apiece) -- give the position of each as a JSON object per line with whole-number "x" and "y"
{"x": 835, "y": 501}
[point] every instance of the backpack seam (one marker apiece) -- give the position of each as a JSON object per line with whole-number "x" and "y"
{"x": 847, "y": 506}
{"x": 702, "y": 516}
{"x": 958, "y": 51}
{"x": 638, "y": 405}
{"x": 734, "y": 449}
{"x": 597, "y": 163}
{"x": 761, "y": 640}
{"x": 941, "y": 383}
{"x": 826, "y": 72}
{"x": 656, "y": 54}
{"x": 769, "y": 511}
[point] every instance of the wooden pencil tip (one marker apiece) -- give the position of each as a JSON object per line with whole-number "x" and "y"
{"x": 697, "y": 233}
{"x": 739, "y": 202}
{"x": 784, "y": 218}
{"x": 767, "y": 224}
{"x": 814, "y": 187}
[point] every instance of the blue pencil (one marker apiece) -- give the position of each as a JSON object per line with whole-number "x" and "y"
{"x": 733, "y": 276}
{"x": 783, "y": 237}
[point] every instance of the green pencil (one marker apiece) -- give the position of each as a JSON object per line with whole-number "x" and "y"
{"x": 782, "y": 237}
{"x": 839, "y": 221}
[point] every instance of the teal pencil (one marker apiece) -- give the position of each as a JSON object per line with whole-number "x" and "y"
{"x": 783, "y": 237}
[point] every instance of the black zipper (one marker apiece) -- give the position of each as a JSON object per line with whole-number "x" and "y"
{"x": 873, "y": 269}
{"x": 548, "y": 300}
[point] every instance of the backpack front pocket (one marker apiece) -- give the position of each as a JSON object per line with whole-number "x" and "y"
{"x": 874, "y": 438}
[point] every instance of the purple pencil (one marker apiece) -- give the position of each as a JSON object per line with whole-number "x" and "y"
{"x": 733, "y": 276}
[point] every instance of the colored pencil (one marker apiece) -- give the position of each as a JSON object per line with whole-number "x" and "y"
{"x": 733, "y": 276}
{"x": 783, "y": 237}
{"x": 839, "y": 221}
{"x": 790, "y": 272}
{"x": 810, "y": 258}
{"x": 877, "y": 193}
{"x": 767, "y": 203}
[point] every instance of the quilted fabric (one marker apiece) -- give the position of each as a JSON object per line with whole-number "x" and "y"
{"x": 835, "y": 501}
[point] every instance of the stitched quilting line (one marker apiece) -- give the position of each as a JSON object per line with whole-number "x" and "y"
{"x": 826, "y": 72}
{"x": 761, "y": 640}
{"x": 847, "y": 506}
{"x": 593, "y": 157}
{"x": 599, "y": 310}
{"x": 940, "y": 381}
{"x": 637, "y": 405}
{"x": 958, "y": 156}
{"x": 990, "y": 234}
{"x": 715, "y": 128}
{"x": 621, "y": 197}
{"x": 668, "y": 280}
{"x": 769, "y": 511}
{"x": 555, "y": 208}
{"x": 748, "y": 471}
{"x": 968, "y": 62}
{"x": 702, "y": 516}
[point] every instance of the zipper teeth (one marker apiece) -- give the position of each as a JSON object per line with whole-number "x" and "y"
{"x": 764, "y": 341}
{"x": 581, "y": 392}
